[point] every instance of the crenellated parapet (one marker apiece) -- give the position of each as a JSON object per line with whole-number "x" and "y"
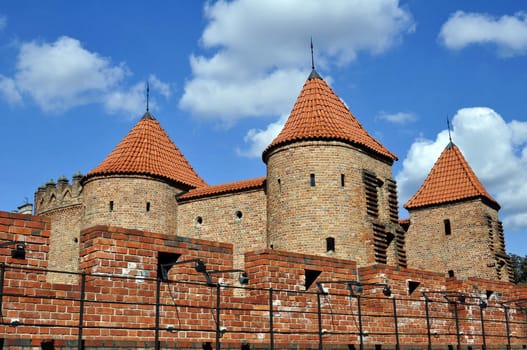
{"x": 56, "y": 195}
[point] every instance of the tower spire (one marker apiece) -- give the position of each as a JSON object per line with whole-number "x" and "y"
{"x": 147, "y": 95}
{"x": 314, "y": 73}
{"x": 312, "y": 56}
{"x": 449, "y": 134}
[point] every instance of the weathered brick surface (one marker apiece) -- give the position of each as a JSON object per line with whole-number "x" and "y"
{"x": 300, "y": 217}
{"x": 130, "y": 195}
{"x": 120, "y": 293}
{"x": 237, "y": 218}
{"x": 469, "y": 251}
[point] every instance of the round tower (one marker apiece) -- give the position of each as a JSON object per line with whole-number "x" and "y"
{"x": 137, "y": 184}
{"x": 329, "y": 185}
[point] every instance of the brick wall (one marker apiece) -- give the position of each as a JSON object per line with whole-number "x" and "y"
{"x": 64, "y": 243}
{"x": 468, "y": 250}
{"x": 237, "y": 218}
{"x": 121, "y": 288}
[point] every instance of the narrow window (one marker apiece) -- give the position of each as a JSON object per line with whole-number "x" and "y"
{"x": 111, "y": 205}
{"x": 239, "y": 215}
{"x": 199, "y": 220}
{"x": 147, "y": 206}
{"x": 330, "y": 244}
{"x": 279, "y": 186}
{"x": 312, "y": 178}
{"x": 342, "y": 180}
{"x": 450, "y": 273}
{"x": 446, "y": 224}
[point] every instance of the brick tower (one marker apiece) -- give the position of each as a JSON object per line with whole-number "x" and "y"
{"x": 137, "y": 184}
{"x": 329, "y": 184}
{"x": 454, "y": 226}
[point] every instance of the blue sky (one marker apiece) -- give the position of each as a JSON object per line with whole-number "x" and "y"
{"x": 224, "y": 76}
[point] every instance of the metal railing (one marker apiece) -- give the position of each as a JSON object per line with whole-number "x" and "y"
{"x": 202, "y": 314}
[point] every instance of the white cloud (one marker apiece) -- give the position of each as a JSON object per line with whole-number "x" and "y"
{"x": 398, "y": 118}
{"x": 9, "y": 91}
{"x": 159, "y": 86}
{"x": 259, "y": 139}
{"x": 496, "y": 151}
{"x": 63, "y": 75}
{"x": 508, "y": 33}
{"x": 261, "y": 50}
{"x": 230, "y": 100}
{"x": 3, "y": 22}
{"x": 131, "y": 101}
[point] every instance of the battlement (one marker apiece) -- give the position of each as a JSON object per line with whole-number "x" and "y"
{"x": 57, "y": 195}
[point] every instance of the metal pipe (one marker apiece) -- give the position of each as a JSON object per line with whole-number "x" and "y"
{"x": 360, "y": 323}
{"x": 458, "y": 336}
{"x": 320, "y": 345}
{"x": 395, "y": 324}
{"x": 218, "y": 330}
{"x": 428, "y": 324}
{"x": 507, "y": 326}
{"x": 158, "y": 296}
{"x": 2, "y": 273}
{"x": 271, "y": 326}
{"x": 484, "y": 346}
{"x": 80, "y": 343}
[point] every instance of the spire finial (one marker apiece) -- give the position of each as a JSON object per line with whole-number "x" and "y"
{"x": 448, "y": 125}
{"x": 312, "y": 56}
{"x": 147, "y": 95}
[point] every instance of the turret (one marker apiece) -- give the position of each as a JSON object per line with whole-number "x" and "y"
{"x": 137, "y": 183}
{"x": 329, "y": 184}
{"x": 454, "y": 227}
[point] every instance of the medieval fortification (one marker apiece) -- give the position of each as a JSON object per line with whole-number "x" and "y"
{"x": 325, "y": 214}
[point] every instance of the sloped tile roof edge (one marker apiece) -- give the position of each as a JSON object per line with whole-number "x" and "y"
{"x": 231, "y": 187}
{"x": 170, "y": 181}
{"x": 484, "y": 199}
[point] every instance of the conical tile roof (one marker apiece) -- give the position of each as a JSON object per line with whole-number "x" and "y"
{"x": 319, "y": 114}
{"x": 451, "y": 179}
{"x": 148, "y": 150}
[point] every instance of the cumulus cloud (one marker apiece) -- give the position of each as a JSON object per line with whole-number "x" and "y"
{"x": 252, "y": 97}
{"x": 63, "y": 75}
{"x": 132, "y": 100}
{"x": 508, "y": 33}
{"x": 496, "y": 151}
{"x": 9, "y": 91}
{"x": 398, "y": 118}
{"x": 259, "y": 139}
{"x": 258, "y": 52}
{"x": 3, "y": 22}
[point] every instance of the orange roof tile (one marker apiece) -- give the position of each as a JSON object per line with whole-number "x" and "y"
{"x": 319, "y": 114}
{"x": 223, "y": 188}
{"x": 451, "y": 179}
{"x": 148, "y": 150}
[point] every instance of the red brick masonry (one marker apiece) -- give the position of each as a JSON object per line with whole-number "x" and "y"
{"x": 118, "y": 302}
